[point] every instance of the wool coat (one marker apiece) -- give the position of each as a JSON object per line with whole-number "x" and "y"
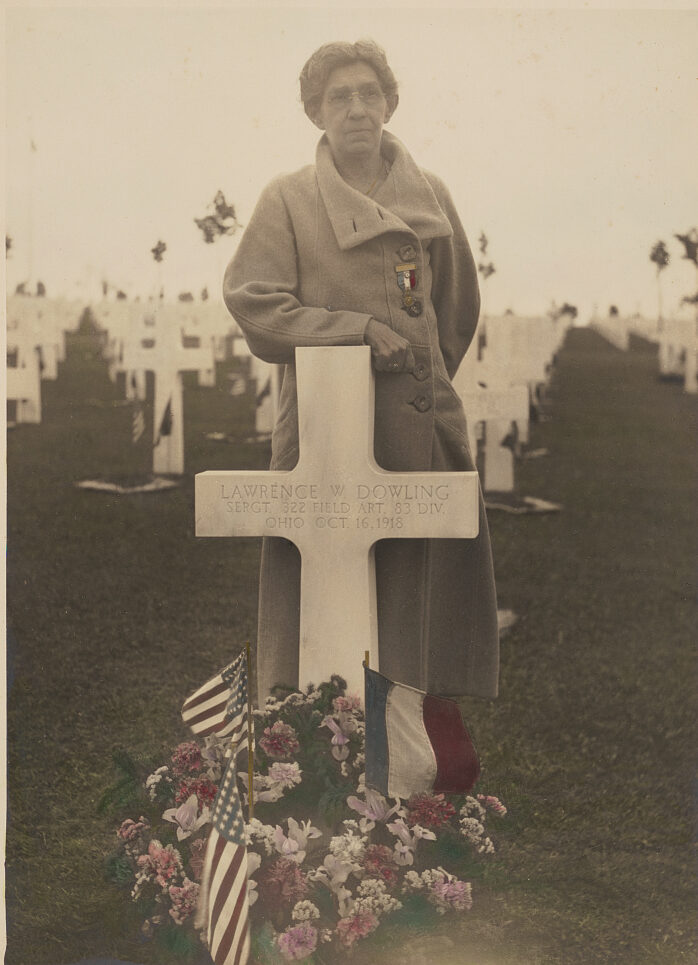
{"x": 316, "y": 262}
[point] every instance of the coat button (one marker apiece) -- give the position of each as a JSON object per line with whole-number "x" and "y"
{"x": 420, "y": 371}
{"x": 422, "y": 403}
{"x": 407, "y": 253}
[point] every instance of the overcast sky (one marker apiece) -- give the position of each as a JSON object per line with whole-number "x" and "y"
{"x": 569, "y": 137}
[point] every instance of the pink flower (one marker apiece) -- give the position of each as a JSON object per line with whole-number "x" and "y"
{"x": 429, "y": 810}
{"x": 347, "y": 705}
{"x": 203, "y": 787}
{"x": 356, "y": 926}
{"x": 378, "y": 862}
{"x": 130, "y": 830}
{"x": 280, "y": 740}
{"x": 298, "y": 942}
{"x": 186, "y": 758}
{"x": 493, "y": 803}
{"x": 452, "y": 894}
{"x": 285, "y": 774}
{"x": 163, "y": 864}
{"x": 183, "y": 900}
{"x": 282, "y": 882}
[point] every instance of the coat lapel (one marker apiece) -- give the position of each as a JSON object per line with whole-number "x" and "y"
{"x": 404, "y": 202}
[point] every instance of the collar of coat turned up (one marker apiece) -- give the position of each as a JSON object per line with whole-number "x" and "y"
{"x": 405, "y": 201}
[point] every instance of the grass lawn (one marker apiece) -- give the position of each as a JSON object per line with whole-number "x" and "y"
{"x": 116, "y": 613}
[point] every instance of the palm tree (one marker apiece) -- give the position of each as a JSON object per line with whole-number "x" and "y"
{"x": 690, "y": 244}
{"x": 660, "y": 256}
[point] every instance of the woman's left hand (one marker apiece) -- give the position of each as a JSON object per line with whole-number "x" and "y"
{"x": 390, "y": 351}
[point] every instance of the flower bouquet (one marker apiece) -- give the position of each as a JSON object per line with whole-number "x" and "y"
{"x": 331, "y": 863}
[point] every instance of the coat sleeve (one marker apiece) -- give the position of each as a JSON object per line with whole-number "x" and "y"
{"x": 455, "y": 293}
{"x": 261, "y": 286}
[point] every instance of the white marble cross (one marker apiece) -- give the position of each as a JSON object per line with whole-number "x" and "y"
{"x": 334, "y": 505}
{"x": 489, "y": 400}
{"x": 164, "y": 353}
{"x": 24, "y": 377}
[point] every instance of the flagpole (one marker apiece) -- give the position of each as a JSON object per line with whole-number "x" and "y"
{"x": 366, "y": 656}
{"x": 250, "y": 739}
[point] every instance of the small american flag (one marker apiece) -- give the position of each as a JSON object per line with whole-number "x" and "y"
{"x": 220, "y": 707}
{"x": 138, "y": 427}
{"x": 166, "y": 422}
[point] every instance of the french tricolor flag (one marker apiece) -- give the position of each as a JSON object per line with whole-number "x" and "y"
{"x": 415, "y": 742}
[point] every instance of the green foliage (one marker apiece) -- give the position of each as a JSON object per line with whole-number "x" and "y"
{"x": 127, "y": 790}
{"x": 333, "y": 802}
{"x": 416, "y": 914}
{"x": 263, "y": 949}
{"x": 118, "y": 870}
{"x": 181, "y": 944}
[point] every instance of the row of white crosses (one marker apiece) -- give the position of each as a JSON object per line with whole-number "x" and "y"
{"x": 676, "y": 338}
{"x": 36, "y": 330}
{"x": 499, "y": 387}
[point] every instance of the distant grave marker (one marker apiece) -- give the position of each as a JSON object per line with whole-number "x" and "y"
{"x": 165, "y": 353}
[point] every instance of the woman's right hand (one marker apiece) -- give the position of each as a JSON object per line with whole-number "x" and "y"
{"x": 390, "y": 351}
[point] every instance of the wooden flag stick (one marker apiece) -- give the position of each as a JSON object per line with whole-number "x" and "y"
{"x": 250, "y": 740}
{"x": 366, "y": 656}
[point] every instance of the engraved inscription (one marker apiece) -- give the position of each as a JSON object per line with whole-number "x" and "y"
{"x": 289, "y": 507}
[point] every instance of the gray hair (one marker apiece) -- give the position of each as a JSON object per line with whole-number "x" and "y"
{"x": 329, "y": 57}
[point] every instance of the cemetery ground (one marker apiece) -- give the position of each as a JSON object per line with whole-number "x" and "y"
{"x": 116, "y": 613}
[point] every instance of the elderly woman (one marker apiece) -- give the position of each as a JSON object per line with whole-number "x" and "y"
{"x": 365, "y": 248}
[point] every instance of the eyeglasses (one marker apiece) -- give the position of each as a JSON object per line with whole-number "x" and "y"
{"x": 369, "y": 94}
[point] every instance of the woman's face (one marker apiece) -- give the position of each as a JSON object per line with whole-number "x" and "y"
{"x": 353, "y": 112}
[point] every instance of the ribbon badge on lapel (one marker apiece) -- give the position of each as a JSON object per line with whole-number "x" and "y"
{"x": 407, "y": 281}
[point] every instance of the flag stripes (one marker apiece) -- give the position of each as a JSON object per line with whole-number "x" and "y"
{"x": 220, "y": 707}
{"x": 228, "y": 923}
{"x": 138, "y": 424}
{"x": 415, "y": 741}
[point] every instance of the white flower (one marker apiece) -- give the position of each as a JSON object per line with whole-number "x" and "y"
{"x": 152, "y": 781}
{"x": 253, "y": 864}
{"x": 472, "y": 808}
{"x": 374, "y": 808}
{"x": 349, "y": 848}
{"x": 407, "y": 840}
{"x": 472, "y": 830}
{"x": 256, "y": 831}
{"x": 185, "y": 817}
{"x": 373, "y": 897}
{"x": 305, "y": 911}
{"x": 294, "y": 845}
{"x": 486, "y": 847}
{"x": 412, "y": 881}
